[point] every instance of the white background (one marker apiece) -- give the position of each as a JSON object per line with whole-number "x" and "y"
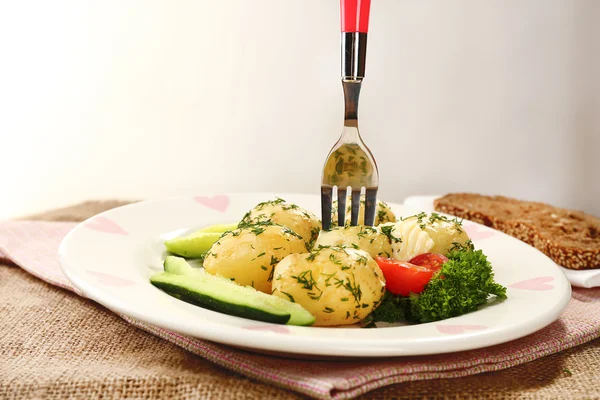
{"x": 146, "y": 99}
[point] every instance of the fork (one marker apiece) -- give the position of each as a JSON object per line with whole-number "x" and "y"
{"x": 350, "y": 164}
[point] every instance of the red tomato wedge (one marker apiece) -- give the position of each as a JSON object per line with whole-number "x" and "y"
{"x": 404, "y": 278}
{"x": 432, "y": 261}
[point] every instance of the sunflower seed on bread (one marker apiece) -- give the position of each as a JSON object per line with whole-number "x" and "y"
{"x": 571, "y": 238}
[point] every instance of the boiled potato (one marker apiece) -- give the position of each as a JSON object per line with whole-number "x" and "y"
{"x": 366, "y": 238}
{"x": 424, "y": 233}
{"x": 301, "y": 221}
{"x": 446, "y": 233}
{"x": 248, "y": 255}
{"x": 338, "y": 285}
{"x": 383, "y": 212}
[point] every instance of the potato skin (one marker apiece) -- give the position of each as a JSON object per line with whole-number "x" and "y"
{"x": 366, "y": 238}
{"x": 383, "y": 212}
{"x": 445, "y": 233}
{"x": 249, "y": 255}
{"x": 301, "y": 221}
{"x": 339, "y": 286}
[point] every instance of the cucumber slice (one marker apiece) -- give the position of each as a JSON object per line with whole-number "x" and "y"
{"x": 222, "y": 295}
{"x": 179, "y": 266}
{"x": 193, "y": 245}
{"x": 298, "y": 314}
{"x": 222, "y": 228}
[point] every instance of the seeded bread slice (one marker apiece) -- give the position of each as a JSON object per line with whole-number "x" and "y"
{"x": 571, "y": 238}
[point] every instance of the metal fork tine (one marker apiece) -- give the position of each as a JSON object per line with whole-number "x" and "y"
{"x": 355, "y": 207}
{"x": 326, "y": 204}
{"x": 341, "y": 197}
{"x": 370, "y": 206}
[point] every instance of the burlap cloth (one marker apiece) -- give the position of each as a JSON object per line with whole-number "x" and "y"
{"x": 81, "y": 350}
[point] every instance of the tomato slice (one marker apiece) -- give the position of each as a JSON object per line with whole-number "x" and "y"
{"x": 433, "y": 261}
{"x": 404, "y": 278}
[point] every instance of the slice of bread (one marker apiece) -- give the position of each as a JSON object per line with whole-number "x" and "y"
{"x": 571, "y": 238}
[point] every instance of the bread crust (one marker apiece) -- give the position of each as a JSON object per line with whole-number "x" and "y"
{"x": 569, "y": 237}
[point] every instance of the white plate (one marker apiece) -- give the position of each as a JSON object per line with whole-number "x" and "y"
{"x": 587, "y": 278}
{"x": 111, "y": 257}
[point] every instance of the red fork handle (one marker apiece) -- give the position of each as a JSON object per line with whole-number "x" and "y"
{"x": 355, "y": 15}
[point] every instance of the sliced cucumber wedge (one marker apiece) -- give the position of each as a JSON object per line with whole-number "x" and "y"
{"x": 218, "y": 295}
{"x": 179, "y": 266}
{"x": 195, "y": 286}
{"x": 298, "y": 314}
{"x": 193, "y": 245}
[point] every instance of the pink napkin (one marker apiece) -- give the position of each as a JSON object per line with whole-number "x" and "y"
{"x": 33, "y": 245}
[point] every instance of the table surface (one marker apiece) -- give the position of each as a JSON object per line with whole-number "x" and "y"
{"x": 55, "y": 344}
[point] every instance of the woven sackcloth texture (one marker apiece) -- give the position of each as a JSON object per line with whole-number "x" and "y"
{"x": 55, "y": 344}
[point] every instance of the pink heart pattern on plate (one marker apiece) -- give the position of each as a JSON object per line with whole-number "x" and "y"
{"x": 219, "y": 202}
{"x": 458, "y": 329}
{"x": 110, "y": 280}
{"x": 477, "y": 232}
{"x": 539, "y": 283}
{"x": 103, "y": 224}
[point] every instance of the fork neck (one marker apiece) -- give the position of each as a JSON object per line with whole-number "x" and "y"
{"x": 351, "y": 95}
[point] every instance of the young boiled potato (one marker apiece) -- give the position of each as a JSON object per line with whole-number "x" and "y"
{"x": 426, "y": 234}
{"x": 366, "y": 238}
{"x": 446, "y": 233}
{"x": 338, "y": 285}
{"x": 383, "y": 212}
{"x": 301, "y": 221}
{"x": 248, "y": 255}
